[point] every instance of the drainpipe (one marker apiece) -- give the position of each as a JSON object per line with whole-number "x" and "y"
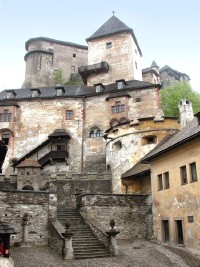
{"x": 83, "y": 135}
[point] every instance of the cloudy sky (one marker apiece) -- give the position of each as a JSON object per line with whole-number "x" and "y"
{"x": 167, "y": 31}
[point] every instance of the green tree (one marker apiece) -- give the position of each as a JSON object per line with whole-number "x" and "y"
{"x": 58, "y": 77}
{"x": 171, "y": 96}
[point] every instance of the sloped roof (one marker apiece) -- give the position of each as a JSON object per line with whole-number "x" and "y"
{"x": 29, "y": 163}
{"x": 154, "y": 65}
{"x": 188, "y": 133}
{"x": 112, "y": 26}
{"x": 138, "y": 169}
{"x": 71, "y": 91}
{"x": 178, "y": 73}
{"x": 46, "y": 39}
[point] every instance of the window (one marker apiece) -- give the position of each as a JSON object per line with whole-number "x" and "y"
{"x": 148, "y": 140}
{"x": 138, "y": 99}
{"x": 5, "y": 138}
{"x": 183, "y": 175}
{"x": 118, "y": 108}
{"x": 109, "y": 45}
{"x": 166, "y": 180}
{"x": 136, "y": 65}
{"x": 193, "y": 172}
{"x": 60, "y": 147}
{"x": 74, "y": 55}
{"x": 6, "y": 116}
{"x": 117, "y": 145}
{"x": 160, "y": 182}
{"x": 95, "y": 133}
{"x": 69, "y": 114}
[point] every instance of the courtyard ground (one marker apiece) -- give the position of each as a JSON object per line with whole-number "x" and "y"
{"x": 132, "y": 253}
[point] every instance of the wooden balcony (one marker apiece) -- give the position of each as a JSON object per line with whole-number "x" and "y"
{"x": 53, "y": 156}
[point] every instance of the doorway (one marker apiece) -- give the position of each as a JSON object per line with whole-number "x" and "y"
{"x": 165, "y": 227}
{"x": 179, "y": 231}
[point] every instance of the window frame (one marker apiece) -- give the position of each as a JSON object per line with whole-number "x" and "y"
{"x": 166, "y": 180}
{"x": 69, "y": 114}
{"x": 108, "y": 45}
{"x": 6, "y": 116}
{"x": 183, "y": 174}
{"x": 160, "y": 182}
{"x": 192, "y": 179}
{"x": 118, "y": 107}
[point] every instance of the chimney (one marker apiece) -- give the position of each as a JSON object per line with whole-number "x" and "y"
{"x": 185, "y": 112}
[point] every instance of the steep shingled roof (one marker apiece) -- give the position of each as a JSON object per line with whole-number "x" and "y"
{"x": 189, "y": 132}
{"x": 112, "y": 26}
{"x": 71, "y": 91}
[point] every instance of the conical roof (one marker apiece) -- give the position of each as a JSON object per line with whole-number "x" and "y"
{"x": 154, "y": 65}
{"x": 112, "y": 26}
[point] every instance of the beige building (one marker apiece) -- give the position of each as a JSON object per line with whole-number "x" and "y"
{"x": 128, "y": 142}
{"x": 175, "y": 182}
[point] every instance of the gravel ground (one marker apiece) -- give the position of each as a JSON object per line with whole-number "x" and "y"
{"x": 133, "y": 253}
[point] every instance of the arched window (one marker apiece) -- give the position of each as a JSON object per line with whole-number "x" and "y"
{"x": 95, "y": 133}
{"x": 28, "y": 187}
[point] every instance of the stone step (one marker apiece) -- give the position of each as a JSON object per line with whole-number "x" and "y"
{"x": 84, "y": 242}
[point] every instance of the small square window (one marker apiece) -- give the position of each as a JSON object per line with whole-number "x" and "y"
{"x": 69, "y": 114}
{"x": 109, "y": 45}
{"x": 138, "y": 99}
{"x": 74, "y": 55}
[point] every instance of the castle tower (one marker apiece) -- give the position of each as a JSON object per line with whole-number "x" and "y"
{"x": 185, "y": 111}
{"x": 113, "y": 54}
{"x": 154, "y": 66}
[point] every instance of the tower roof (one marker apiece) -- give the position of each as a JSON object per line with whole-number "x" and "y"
{"x": 112, "y": 26}
{"x": 154, "y": 65}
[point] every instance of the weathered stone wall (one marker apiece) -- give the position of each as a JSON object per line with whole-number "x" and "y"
{"x": 133, "y": 146}
{"x": 121, "y": 58}
{"x": 66, "y": 190}
{"x": 131, "y": 213}
{"x": 40, "y": 205}
{"x": 40, "y": 66}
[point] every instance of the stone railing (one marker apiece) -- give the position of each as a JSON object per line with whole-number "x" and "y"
{"x": 55, "y": 235}
{"x": 98, "y": 230}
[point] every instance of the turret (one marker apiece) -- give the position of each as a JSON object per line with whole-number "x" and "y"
{"x": 185, "y": 112}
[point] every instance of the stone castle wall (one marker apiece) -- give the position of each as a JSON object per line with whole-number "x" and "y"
{"x": 132, "y": 213}
{"x": 121, "y": 58}
{"x": 40, "y": 205}
{"x": 44, "y": 57}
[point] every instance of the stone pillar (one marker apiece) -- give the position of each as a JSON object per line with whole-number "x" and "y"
{"x": 112, "y": 233}
{"x": 25, "y": 224}
{"x": 68, "y": 252}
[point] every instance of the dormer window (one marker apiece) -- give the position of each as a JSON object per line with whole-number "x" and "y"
{"x": 60, "y": 90}
{"x": 121, "y": 84}
{"x": 10, "y": 94}
{"x": 35, "y": 92}
{"x": 99, "y": 87}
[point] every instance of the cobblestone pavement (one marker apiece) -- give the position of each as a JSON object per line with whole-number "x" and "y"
{"x": 131, "y": 254}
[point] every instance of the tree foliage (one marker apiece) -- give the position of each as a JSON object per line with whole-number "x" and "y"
{"x": 171, "y": 96}
{"x": 58, "y": 77}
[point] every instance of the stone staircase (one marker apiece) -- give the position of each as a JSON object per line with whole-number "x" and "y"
{"x": 84, "y": 242}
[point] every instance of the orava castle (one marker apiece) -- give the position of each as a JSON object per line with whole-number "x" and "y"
{"x": 100, "y": 150}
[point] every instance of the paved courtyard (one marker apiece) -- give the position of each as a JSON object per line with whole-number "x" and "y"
{"x": 131, "y": 254}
